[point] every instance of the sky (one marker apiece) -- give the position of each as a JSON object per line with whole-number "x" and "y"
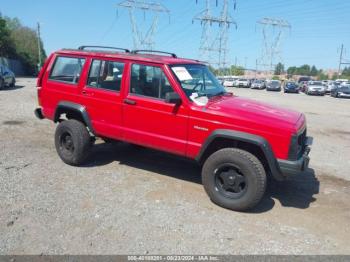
{"x": 318, "y": 27}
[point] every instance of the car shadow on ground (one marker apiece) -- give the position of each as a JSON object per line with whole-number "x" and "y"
{"x": 11, "y": 88}
{"x": 296, "y": 192}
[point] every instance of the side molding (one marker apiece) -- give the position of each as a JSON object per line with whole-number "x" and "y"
{"x": 64, "y": 106}
{"x": 261, "y": 142}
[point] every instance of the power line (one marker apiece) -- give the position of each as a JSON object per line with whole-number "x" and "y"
{"x": 144, "y": 39}
{"x": 214, "y": 49}
{"x": 272, "y": 30}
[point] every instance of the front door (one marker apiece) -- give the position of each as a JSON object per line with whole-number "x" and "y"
{"x": 147, "y": 119}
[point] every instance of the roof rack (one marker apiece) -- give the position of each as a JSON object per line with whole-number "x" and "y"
{"x": 153, "y": 51}
{"x": 83, "y": 47}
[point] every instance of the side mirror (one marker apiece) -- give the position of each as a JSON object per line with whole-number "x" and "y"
{"x": 173, "y": 98}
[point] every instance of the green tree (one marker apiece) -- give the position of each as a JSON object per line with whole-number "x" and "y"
{"x": 6, "y": 43}
{"x": 292, "y": 70}
{"x": 25, "y": 42}
{"x": 279, "y": 69}
{"x": 313, "y": 71}
{"x": 237, "y": 70}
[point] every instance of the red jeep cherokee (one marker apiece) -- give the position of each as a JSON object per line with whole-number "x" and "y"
{"x": 157, "y": 100}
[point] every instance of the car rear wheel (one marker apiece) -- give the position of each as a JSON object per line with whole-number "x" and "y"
{"x": 234, "y": 179}
{"x": 13, "y": 82}
{"x": 2, "y": 84}
{"x": 73, "y": 142}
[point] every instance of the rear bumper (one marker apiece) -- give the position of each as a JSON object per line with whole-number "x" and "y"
{"x": 289, "y": 168}
{"x": 38, "y": 113}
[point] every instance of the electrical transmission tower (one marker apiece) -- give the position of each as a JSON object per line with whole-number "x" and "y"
{"x": 214, "y": 43}
{"x": 144, "y": 39}
{"x": 273, "y": 31}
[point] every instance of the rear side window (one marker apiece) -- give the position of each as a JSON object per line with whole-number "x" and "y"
{"x": 106, "y": 75}
{"x": 67, "y": 69}
{"x": 149, "y": 81}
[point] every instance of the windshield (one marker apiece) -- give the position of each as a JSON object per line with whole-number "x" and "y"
{"x": 274, "y": 83}
{"x": 345, "y": 88}
{"x": 197, "y": 79}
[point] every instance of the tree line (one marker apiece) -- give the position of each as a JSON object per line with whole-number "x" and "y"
{"x": 307, "y": 70}
{"x": 21, "y": 43}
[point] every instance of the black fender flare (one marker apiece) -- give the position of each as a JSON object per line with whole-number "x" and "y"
{"x": 259, "y": 141}
{"x": 63, "y": 106}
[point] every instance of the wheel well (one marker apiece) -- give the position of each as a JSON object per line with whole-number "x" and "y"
{"x": 221, "y": 142}
{"x": 69, "y": 114}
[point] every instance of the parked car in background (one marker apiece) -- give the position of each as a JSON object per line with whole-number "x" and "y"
{"x": 304, "y": 79}
{"x": 243, "y": 82}
{"x": 7, "y": 77}
{"x": 291, "y": 87}
{"x": 341, "y": 91}
{"x": 329, "y": 86}
{"x": 303, "y": 86}
{"x": 258, "y": 84}
{"x": 273, "y": 85}
{"x": 229, "y": 82}
{"x": 315, "y": 88}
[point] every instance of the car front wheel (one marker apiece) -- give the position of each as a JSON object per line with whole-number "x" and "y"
{"x": 234, "y": 179}
{"x": 73, "y": 142}
{"x": 13, "y": 82}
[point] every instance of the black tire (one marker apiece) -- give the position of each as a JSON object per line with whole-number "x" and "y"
{"x": 73, "y": 142}
{"x": 13, "y": 83}
{"x": 2, "y": 84}
{"x": 242, "y": 194}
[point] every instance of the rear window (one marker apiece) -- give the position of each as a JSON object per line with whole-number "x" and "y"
{"x": 67, "y": 69}
{"x": 106, "y": 75}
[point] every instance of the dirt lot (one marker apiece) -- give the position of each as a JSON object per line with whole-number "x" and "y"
{"x": 132, "y": 201}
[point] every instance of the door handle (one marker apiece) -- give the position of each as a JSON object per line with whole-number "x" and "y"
{"x": 85, "y": 93}
{"x": 129, "y": 101}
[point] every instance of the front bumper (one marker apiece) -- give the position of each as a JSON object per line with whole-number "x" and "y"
{"x": 38, "y": 113}
{"x": 316, "y": 92}
{"x": 344, "y": 95}
{"x": 289, "y": 167}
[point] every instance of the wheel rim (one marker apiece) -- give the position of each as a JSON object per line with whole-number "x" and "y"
{"x": 66, "y": 143}
{"x": 230, "y": 181}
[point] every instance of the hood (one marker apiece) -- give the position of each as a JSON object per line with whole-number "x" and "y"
{"x": 248, "y": 110}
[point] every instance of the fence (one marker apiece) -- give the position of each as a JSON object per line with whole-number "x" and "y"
{"x": 14, "y": 65}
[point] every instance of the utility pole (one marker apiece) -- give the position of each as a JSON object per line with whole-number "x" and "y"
{"x": 272, "y": 30}
{"x": 39, "y": 46}
{"x": 340, "y": 58}
{"x": 214, "y": 48}
{"x": 144, "y": 39}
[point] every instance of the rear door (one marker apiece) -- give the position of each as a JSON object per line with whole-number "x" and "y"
{"x": 149, "y": 120}
{"x": 101, "y": 95}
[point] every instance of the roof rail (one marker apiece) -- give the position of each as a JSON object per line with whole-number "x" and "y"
{"x": 153, "y": 51}
{"x": 103, "y": 47}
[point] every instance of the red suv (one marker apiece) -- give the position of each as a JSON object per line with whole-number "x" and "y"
{"x": 158, "y": 100}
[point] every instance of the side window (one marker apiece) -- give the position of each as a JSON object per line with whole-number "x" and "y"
{"x": 67, "y": 69}
{"x": 106, "y": 75}
{"x": 149, "y": 81}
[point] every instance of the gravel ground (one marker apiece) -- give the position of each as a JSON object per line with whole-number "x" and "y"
{"x": 139, "y": 201}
